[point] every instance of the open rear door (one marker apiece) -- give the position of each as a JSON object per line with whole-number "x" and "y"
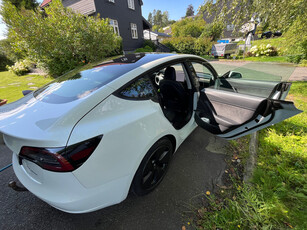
{"x": 230, "y": 114}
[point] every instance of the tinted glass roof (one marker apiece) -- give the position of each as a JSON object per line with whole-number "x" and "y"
{"x": 74, "y": 86}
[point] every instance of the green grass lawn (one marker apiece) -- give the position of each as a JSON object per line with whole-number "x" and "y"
{"x": 11, "y": 86}
{"x": 277, "y": 195}
{"x": 281, "y": 59}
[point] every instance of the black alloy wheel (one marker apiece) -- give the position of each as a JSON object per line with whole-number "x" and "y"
{"x": 153, "y": 167}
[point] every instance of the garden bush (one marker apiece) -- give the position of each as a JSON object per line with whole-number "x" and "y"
{"x": 151, "y": 44}
{"x": 188, "y": 45}
{"x": 145, "y": 49}
{"x": 8, "y": 50}
{"x": 188, "y": 27}
{"x": 296, "y": 58}
{"x": 296, "y": 38}
{"x": 20, "y": 68}
{"x": 213, "y": 31}
{"x": 202, "y": 46}
{"x": 263, "y": 50}
{"x": 60, "y": 39}
{"x": 4, "y": 61}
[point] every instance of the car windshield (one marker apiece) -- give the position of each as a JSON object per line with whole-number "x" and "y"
{"x": 73, "y": 86}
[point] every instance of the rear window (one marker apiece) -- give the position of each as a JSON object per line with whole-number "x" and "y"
{"x": 74, "y": 86}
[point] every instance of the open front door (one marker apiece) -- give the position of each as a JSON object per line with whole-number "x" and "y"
{"x": 230, "y": 114}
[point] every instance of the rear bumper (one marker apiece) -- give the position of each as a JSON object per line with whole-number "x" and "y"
{"x": 217, "y": 53}
{"x": 64, "y": 192}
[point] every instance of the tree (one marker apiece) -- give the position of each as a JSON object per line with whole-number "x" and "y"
{"x": 165, "y": 20}
{"x": 213, "y": 30}
{"x": 150, "y": 20}
{"x": 159, "y": 19}
{"x": 190, "y": 11}
{"x": 275, "y": 14}
{"x": 282, "y": 15}
{"x": 61, "y": 40}
{"x": 188, "y": 27}
{"x": 27, "y": 4}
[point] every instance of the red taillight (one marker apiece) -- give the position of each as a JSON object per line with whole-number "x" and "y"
{"x": 60, "y": 159}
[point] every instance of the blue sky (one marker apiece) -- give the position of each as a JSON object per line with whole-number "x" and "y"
{"x": 175, "y": 8}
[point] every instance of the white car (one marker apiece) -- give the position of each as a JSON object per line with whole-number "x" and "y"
{"x": 83, "y": 141}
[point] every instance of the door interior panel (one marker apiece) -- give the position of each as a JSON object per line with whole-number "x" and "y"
{"x": 227, "y": 109}
{"x": 252, "y": 87}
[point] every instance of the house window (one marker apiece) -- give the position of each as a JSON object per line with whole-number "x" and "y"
{"x": 230, "y": 27}
{"x": 112, "y": 1}
{"x": 131, "y": 4}
{"x": 134, "y": 31}
{"x": 114, "y": 24}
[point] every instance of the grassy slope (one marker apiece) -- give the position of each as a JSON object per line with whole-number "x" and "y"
{"x": 281, "y": 59}
{"x": 11, "y": 86}
{"x": 277, "y": 197}
{"x": 278, "y": 43}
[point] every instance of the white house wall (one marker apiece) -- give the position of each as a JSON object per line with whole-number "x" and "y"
{"x": 152, "y": 36}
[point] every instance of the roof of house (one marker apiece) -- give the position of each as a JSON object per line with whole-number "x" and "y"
{"x": 160, "y": 34}
{"x": 45, "y": 3}
{"x": 146, "y": 24}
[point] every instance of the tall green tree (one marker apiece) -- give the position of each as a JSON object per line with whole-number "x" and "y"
{"x": 190, "y": 11}
{"x": 63, "y": 39}
{"x": 150, "y": 19}
{"x": 275, "y": 14}
{"x": 165, "y": 19}
{"x": 159, "y": 19}
{"x": 189, "y": 27}
{"x": 27, "y": 4}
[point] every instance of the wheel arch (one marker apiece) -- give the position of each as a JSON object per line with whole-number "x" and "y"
{"x": 172, "y": 139}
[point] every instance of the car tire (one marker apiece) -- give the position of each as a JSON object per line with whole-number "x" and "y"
{"x": 153, "y": 167}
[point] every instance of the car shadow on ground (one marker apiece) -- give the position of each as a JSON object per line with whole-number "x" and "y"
{"x": 193, "y": 171}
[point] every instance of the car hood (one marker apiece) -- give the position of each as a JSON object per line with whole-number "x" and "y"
{"x": 31, "y": 122}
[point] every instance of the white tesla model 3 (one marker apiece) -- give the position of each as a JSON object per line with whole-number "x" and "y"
{"x": 85, "y": 140}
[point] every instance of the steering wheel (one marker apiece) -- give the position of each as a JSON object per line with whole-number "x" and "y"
{"x": 158, "y": 78}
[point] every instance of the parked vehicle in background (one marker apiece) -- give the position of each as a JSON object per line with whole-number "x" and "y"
{"x": 269, "y": 34}
{"x": 223, "y": 50}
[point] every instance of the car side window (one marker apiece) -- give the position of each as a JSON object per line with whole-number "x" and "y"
{"x": 204, "y": 77}
{"x": 139, "y": 89}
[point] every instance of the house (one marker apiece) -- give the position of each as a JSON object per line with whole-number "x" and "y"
{"x": 230, "y": 31}
{"x": 155, "y": 36}
{"x": 167, "y": 30}
{"x": 125, "y": 16}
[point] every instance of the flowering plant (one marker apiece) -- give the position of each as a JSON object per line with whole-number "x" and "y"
{"x": 263, "y": 50}
{"x": 20, "y": 68}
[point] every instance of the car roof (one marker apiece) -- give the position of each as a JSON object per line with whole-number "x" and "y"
{"x": 141, "y": 58}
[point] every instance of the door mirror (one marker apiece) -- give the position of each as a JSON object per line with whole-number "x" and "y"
{"x": 233, "y": 74}
{"x": 25, "y": 92}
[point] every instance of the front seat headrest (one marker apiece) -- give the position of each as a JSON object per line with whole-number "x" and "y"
{"x": 170, "y": 73}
